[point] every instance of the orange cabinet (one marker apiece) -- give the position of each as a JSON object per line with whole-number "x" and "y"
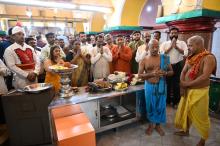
{"x": 74, "y": 130}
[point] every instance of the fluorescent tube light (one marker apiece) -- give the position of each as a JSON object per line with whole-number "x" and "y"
{"x": 58, "y": 5}
{"x": 95, "y": 8}
{"x": 38, "y": 3}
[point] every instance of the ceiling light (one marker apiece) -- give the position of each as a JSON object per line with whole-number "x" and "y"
{"x": 95, "y": 8}
{"x": 149, "y": 8}
{"x": 38, "y": 3}
{"x": 58, "y": 5}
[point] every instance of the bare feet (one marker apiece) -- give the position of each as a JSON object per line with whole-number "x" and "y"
{"x": 149, "y": 130}
{"x": 159, "y": 130}
{"x": 201, "y": 142}
{"x": 182, "y": 133}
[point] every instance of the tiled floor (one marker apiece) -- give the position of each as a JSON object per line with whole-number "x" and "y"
{"x": 134, "y": 135}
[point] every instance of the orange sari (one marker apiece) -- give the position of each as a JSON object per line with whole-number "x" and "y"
{"x": 53, "y": 79}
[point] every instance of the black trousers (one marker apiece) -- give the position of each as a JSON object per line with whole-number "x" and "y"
{"x": 173, "y": 84}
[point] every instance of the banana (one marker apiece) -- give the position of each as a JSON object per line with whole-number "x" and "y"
{"x": 121, "y": 86}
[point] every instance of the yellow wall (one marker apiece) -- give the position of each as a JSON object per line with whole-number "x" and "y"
{"x": 79, "y": 27}
{"x": 212, "y": 4}
{"x": 98, "y": 22}
{"x": 20, "y": 10}
{"x": 131, "y": 12}
{"x": 171, "y": 6}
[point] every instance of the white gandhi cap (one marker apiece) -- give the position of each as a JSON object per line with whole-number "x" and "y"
{"x": 17, "y": 29}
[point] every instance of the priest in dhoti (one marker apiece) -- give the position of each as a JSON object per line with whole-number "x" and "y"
{"x": 153, "y": 69}
{"x": 21, "y": 59}
{"x": 193, "y": 108}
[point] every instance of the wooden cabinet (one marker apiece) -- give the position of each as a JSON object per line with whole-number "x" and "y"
{"x": 27, "y": 117}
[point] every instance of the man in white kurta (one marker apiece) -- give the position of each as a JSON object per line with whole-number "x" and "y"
{"x": 85, "y": 47}
{"x": 45, "y": 51}
{"x": 176, "y": 50}
{"x": 21, "y": 59}
{"x": 100, "y": 58}
{"x": 142, "y": 51}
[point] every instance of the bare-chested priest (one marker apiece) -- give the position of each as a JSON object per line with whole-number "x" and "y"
{"x": 193, "y": 108}
{"x": 153, "y": 69}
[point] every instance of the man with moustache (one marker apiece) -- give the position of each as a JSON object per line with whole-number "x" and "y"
{"x": 69, "y": 48}
{"x": 85, "y": 47}
{"x": 137, "y": 42}
{"x": 110, "y": 45}
{"x": 61, "y": 43}
{"x": 176, "y": 50}
{"x": 31, "y": 41}
{"x": 92, "y": 42}
{"x": 143, "y": 49}
{"x": 157, "y": 35}
{"x": 21, "y": 59}
{"x": 193, "y": 108}
{"x": 100, "y": 58}
{"x": 153, "y": 69}
{"x": 45, "y": 51}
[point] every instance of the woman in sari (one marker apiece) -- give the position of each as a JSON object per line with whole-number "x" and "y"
{"x": 54, "y": 59}
{"x": 81, "y": 74}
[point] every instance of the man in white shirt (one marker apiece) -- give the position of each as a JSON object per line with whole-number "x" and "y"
{"x": 143, "y": 49}
{"x": 45, "y": 51}
{"x": 100, "y": 58}
{"x": 176, "y": 50}
{"x": 157, "y": 35}
{"x": 31, "y": 41}
{"x": 21, "y": 59}
{"x": 85, "y": 47}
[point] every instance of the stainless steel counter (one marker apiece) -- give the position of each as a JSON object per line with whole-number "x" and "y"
{"x": 83, "y": 96}
{"x": 90, "y": 104}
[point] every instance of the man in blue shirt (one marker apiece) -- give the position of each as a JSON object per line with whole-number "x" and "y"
{"x": 6, "y": 44}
